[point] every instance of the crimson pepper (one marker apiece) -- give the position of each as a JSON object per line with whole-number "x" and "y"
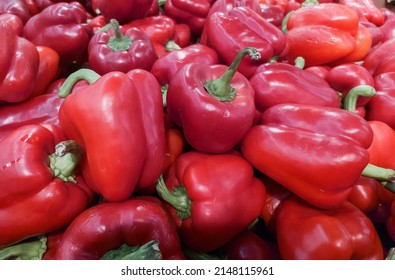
{"x": 305, "y": 232}
{"x": 59, "y": 23}
{"x": 15, "y": 7}
{"x": 273, "y": 14}
{"x": 175, "y": 143}
{"x": 326, "y": 33}
{"x": 118, "y": 230}
{"x": 14, "y": 21}
{"x": 381, "y": 58}
{"x": 367, "y": 8}
{"x": 109, "y": 118}
{"x": 20, "y": 62}
{"x": 122, "y": 10}
{"x": 223, "y": 35}
{"x": 382, "y": 149}
{"x": 38, "y": 181}
{"x": 364, "y": 194}
{"x": 322, "y": 151}
{"x": 388, "y": 29}
{"x": 380, "y": 107}
{"x": 280, "y": 82}
{"x": 192, "y": 13}
{"x": 120, "y": 50}
{"x": 206, "y": 195}
{"x": 166, "y": 66}
{"x": 214, "y": 104}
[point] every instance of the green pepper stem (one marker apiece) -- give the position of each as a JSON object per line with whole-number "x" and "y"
{"x": 65, "y": 160}
{"x": 350, "y": 102}
{"x": 378, "y": 173}
{"x": 33, "y": 249}
{"x": 171, "y": 45}
{"x": 178, "y": 198}
{"x": 300, "y": 62}
{"x": 221, "y": 88}
{"x": 118, "y": 42}
{"x": 391, "y": 254}
{"x": 148, "y": 251}
{"x": 82, "y": 74}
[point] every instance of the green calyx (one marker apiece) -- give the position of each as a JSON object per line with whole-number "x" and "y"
{"x": 148, "y": 251}
{"x": 82, "y": 74}
{"x": 221, "y": 88}
{"x": 65, "y": 160}
{"x": 32, "y": 249}
{"x": 350, "y": 102}
{"x": 118, "y": 42}
{"x": 178, "y": 198}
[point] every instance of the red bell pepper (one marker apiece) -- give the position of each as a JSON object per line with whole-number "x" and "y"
{"x": 326, "y": 33}
{"x": 121, "y": 50}
{"x": 122, "y": 10}
{"x": 117, "y": 102}
{"x": 382, "y": 149}
{"x": 15, "y": 7}
{"x": 364, "y": 194}
{"x": 37, "y": 179}
{"x": 20, "y": 62}
{"x": 14, "y": 21}
{"x": 279, "y": 82}
{"x": 166, "y": 66}
{"x": 175, "y": 143}
{"x": 321, "y": 151}
{"x": 110, "y": 230}
{"x": 381, "y": 58}
{"x": 200, "y": 193}
{"x": 308, "y": 233}
{"x": 388, "y": 29}
{"x": 192, "y": 13}
{"x": 223, "y": 35}
{"x": 367, "y": 8}
{"x": 273, "y": 14}
{"x": 214, "y": 104}
{"x": 59, "y": 23}
{"x": 380, "y": 107}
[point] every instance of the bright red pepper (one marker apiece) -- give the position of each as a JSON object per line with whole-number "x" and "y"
{"x": 273, "y": 14}
{"x": 318, "y": 153}
{"x": 388, "y": 29}
{"x": 367, "y": 8}
{"x": 214, "y": 104}
{"x": 122, "y": 10}
{"x": 37, "y": 179}
{"x": 308, "y": 233}
{"x": 120, "y": 127}
{"x": 166, "y": 66}
{"x": 121, "y": 50}
{"x": 200, "y": 192}
{"x": 382, "y": 149}
{"x": 14, "y": 21}
{"x": 20, "y": 62}
{"x": 364, "y": 194}
{"x": 175, "y": 143}
{"x": 381, "y": 58}
{"x": 110, "y": 230}
{"x": 59, "y": 23}
{"x": 15, "y": 7}
{"x": 277, "y": 82}
{"x": 223, "y": 35}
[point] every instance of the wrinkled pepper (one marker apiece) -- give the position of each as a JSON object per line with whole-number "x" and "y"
{"x": 38, "y": 181}
{"x": 223, "y": 35}
{"x": 59, "y": 23}
{"x": 308, "y": 233}
{"x": 120, "y": 127}
{"x": 20, "y": 63}
{"x": 119, "y": 230}
{"x": 214, "y": 104}
{"x": 121, "y": 50}
{"x": 15, "y": 7}
{"x": 205, "y": 195}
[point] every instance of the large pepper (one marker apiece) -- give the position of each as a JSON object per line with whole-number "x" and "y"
{"x": 326, "y": 33}
{"x": 367, "y": 8}
{"x": 59, "y": 23}
{"x": 119, "y": 230}
{"x": 15, "y": 7}
{"x": 381, "y": 59}
{"x": 214, "y": 104}
{"x": 223, "y": 35}
{"x": 206, "y": 193}
{"x": 39, "y": 191}
{"x": 308, "y": 233}
{"x": 19, "y": 60}
{"x": 120, "y": 126}
{"x": 277, "y": 82}
{"x": 122, "y": 50}
{"x": 317, "y": 153}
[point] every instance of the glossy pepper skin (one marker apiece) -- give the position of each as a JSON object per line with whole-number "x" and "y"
{"x": 310, "y": 152}
{"x": 117, "y": 102}
{"x": 123, "y": 10}
{"x": 367, "y": 8}
{"x": 15, "y": 7}
{"x": 381, "y": 59}
{"x": 107, "y": 226}
{"x": 277, "y": 82}
{"x": 206, "y": 195}
{"x": 214, "y": 104}
{"x": 308, "y": 233}
{"x": 20, "y": 62}
{"x": 59, "y": 23}
{"x": 223, "y": 35}
{"x": 36, "y": 182}
{"x": 121, "y": 50}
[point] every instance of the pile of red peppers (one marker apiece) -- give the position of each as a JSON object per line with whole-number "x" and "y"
{"x": 206, "y": 129}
